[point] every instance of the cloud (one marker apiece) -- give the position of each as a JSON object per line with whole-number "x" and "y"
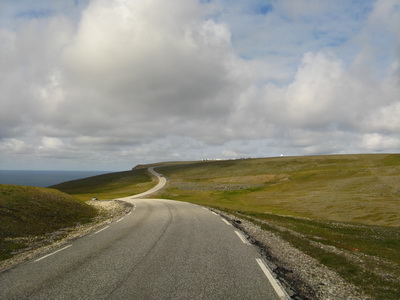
{"x": 51, "y": 143}
{"x": 28, "y": 58}
{"x": 378, "y": 142}
{"x": 15, "y": 147}
{"x": 327, "y": 108}
{"x": 134, "y": 61}
{"x": 120, "y": 80}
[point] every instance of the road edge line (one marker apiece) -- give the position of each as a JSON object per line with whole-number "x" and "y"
{"x": 226, "y": 222}
{"x": 98, "y": 231}
{"x": 274, "y": 282}
{"x": 242, "y": 238}
{"x": 52, "y": 253}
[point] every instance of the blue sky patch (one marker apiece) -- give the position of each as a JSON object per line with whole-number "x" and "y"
{"x": 35, "y": 14}
{"x": 264, "y": 9}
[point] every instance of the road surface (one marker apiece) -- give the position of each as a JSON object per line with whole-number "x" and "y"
{"x": 162, "y": 249}
{"x": 161, "y": 183}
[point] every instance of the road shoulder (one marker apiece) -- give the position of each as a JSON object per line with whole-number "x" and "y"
{"x": 301, "y": 275}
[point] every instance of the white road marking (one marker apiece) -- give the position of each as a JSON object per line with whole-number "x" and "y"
{"x": 210, "y": 211}
{"x": 129, "y": 213}
{"x": 120, "y": 220}
{"x": 226, "y": 222}
{"x": 275, "y": 284}
{"x": 242, "y": 238}
{"x": 100, "y": 230}
{"x": 53, "y": 253}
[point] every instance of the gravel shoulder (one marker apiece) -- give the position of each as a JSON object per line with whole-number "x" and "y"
{"x": 301, "y": 275}
{"x": 109, "y": 211}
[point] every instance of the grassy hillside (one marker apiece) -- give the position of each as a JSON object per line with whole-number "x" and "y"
{"x": 348, "y": 188}
{"x": 109, "y": 186}
{"x": 30, "y": 211}
{"x": 343, "y": 210}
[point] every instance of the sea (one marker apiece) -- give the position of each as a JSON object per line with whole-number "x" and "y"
{"x": 43, "y": 178}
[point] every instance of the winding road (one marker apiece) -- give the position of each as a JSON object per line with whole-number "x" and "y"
{"x": 162, "y": 249}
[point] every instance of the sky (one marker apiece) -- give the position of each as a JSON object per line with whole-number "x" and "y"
{"x": 108, "y": 84}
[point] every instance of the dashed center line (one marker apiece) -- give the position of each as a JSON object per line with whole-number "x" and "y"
{"x": 43, "y": 257}
{"x": 120, "y": 220}
{"x": 242, "y": 238}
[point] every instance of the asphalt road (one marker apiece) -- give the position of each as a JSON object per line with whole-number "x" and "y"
{"x": 163, "y": 249}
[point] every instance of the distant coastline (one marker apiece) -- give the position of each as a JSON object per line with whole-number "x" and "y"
{"x": 43, "y": 178}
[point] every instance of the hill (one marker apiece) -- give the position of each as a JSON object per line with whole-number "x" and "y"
{"x": 108, "y": 186}
{"x": 31, "y": 211}
{"x": 348, "y": 188}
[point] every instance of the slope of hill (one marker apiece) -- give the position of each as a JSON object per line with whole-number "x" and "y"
{"x": 348, "y": 188}
{"x": 31, "y": 211}
{"x": 108, "y": 186}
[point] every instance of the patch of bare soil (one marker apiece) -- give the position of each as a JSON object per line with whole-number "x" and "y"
{"x": 36, "y": 246}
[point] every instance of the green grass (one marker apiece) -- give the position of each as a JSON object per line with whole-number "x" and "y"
{"x": 29, "y": 211}
{"x": 346, "y": 188}
{"x": 109, "y": 186}
{"x": 350, "y": 203}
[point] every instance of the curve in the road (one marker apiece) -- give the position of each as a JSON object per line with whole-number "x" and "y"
{"x": 280, "y": 292}
{"x": 163, "y": 249}
{"x": 161, "y": 183}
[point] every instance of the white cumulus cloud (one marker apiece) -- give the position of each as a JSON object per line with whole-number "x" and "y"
{"x": 123, "y": 82}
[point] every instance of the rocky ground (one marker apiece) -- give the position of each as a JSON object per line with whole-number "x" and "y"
{"x": 301, "y": 275}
